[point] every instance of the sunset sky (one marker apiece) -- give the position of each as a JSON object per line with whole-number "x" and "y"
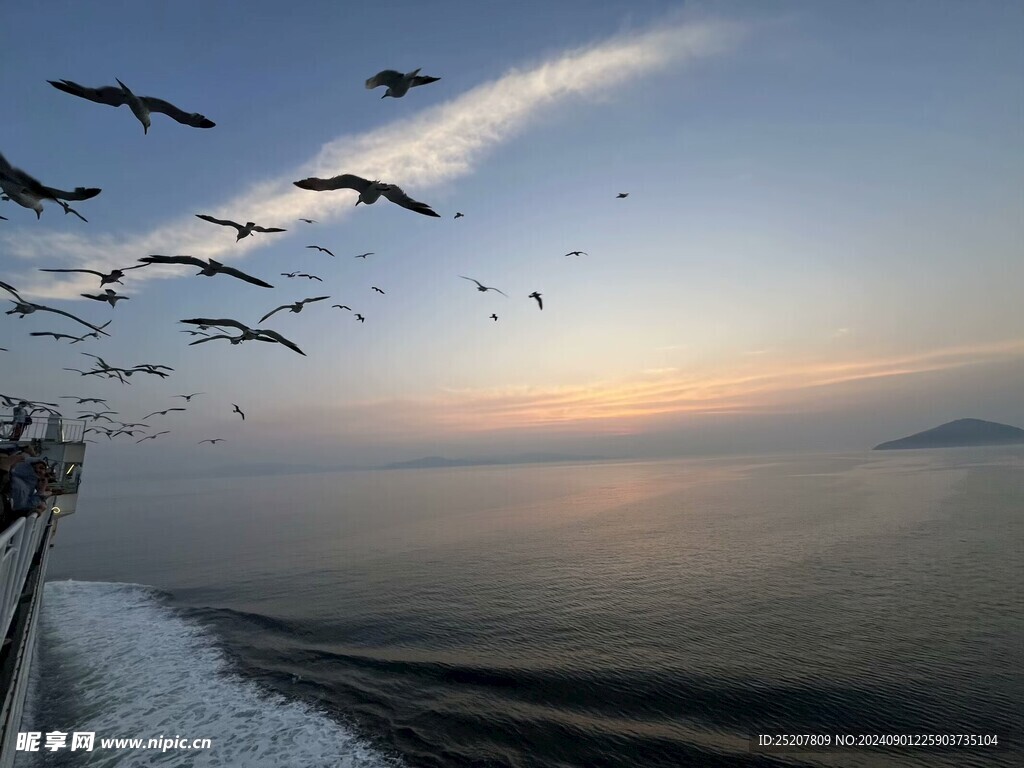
{"x": 822, "y": 247}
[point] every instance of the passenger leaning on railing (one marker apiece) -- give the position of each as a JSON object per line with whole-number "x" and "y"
{"x": 29, "y": 487}
{"x": 22, "y": 419}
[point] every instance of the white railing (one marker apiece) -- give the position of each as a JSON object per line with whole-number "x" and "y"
{"x": 46, "y": 427}
{"x": 18, "y": 545}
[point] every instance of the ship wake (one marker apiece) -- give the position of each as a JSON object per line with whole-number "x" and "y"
{"x": 117, "y": 661}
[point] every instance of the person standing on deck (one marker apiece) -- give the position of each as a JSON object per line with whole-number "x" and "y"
{"x": 21, "y": 420}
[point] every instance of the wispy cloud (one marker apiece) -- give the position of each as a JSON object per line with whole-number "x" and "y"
{"x": 436, "y": 146}
{"x": 633, "y": 405}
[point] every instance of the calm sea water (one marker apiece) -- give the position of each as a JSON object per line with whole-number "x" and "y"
{"x": 638, "y": 614}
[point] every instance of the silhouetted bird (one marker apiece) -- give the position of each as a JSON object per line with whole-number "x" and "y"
{"x": 576, "y": 253}
{"x": 109, "y": 296}
{"x": 29, "y": 192}
{"x": 364, "y": 255}
{"x": 481, "y": 287}
{"x": 243, "y": 231}
{"x": 369, "y": 191}
{"x": 494, "y": 317}
{"x": 296, "y": 307}
{"x": 460, "y": 215}
{"x": 188, "y": 398}
{"x": 536, "y": 296}
{"x": 342, "y": 306}
{"x": 238, "y": 411}
{"x": 375, "y": 288}
{"x": 309, "y": 221}
{"x": 622, "y": 194}
{"x": 320, "y": 249}
{"x": 141, "y": 106}
{"x": 207, "y": 268}
{"x": 114, "y": 276}
{"x": 211, "y": 441}
{"x": 398, "y": 83}
{"x": 360, "y": 318}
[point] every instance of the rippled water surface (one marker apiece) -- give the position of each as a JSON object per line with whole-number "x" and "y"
{"x": 644, "y": 614}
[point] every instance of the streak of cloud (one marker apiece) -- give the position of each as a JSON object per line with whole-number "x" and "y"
{"x": 628, "y": 406}
{"x": 438, "y": 145}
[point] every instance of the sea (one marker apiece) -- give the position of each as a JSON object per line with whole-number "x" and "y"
{"x": 691, "y": 612}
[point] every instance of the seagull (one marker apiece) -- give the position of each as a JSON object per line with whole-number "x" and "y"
{"x": 360, "y": 318}
{"x": 243, "y": 231}
{"x": 481, "y": 287}
{"x": 109, "y": 296}
{"x": 56, "y": 336}
{"x": 209, "y": 268}
{"x": 83, "y": 400}
{"x": 195, "y": 333}
{"x": 320, "y": 249}
{"x": 22, "y": 308}
{"x": 28, "y": 192}
{"x": 162, "y": 413}
{"x": 342, "y": 306}
{"x": 536, "y": 296}
{"x": 369, "y": 191}
{"x": 621, "y": 195}
{"x": 494, "y": 318}
{"x": 248, "y": 334}
{"x": 398, "y": 83}
{"x": 309, "y": 221}
{"x": 311, "y": 277}
{"x": 188, "y": 398}
{"x": 148, "y": 437}
{"x": 296, "y": 307}
{"x": 238, "y": 411}
{"x": 141, "y": 106}
{"x": 114, "y": 276}
{"x": 375, "y": 288}
{"x": 460, "y": 215}
{"x": 215, "y": 440}
{"x": 364, "y": 255}
{"x": 577, "y": 253}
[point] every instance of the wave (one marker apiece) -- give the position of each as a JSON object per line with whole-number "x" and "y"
{"x": 116, "y": 660}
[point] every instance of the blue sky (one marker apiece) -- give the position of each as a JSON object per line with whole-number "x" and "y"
{"x": 821, "y": 247}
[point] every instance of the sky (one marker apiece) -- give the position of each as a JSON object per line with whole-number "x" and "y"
{"x": 821, "y": 248}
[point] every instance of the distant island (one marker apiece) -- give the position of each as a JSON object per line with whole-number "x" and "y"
{"x": 430, "y": 462}
{"x": 961, "y": 433}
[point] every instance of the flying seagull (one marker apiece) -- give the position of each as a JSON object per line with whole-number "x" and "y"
{"x": 296, "y": 307}
{"x": 188, "y": 398}
{"x": 109, "y": 296}
{"x": 341, "y": 306}
{"x": 360, "y": 318}
{"x": 162, "y": 413}
{"x": 364, "y": 255}
{"x": 621, "y": 195}
{"x": 375, "y": 288}
{"x": 311, "y": 277}
{"x": 248, "y": 334}
{"x": 536, "y": 296}
{"x": 83, "y": 400}
{"x": 113, "y": 276}
{"x": 398, "y": 83}
{"x": 481, "y": 287}
{"x": 211, "y": 441}
{"x": 494, "y": 318}
{"x": 22, "y": 308}
{"x": 141, "y": 106}
{"x": 576, "y": 253}
{"x": 238, "y": 411}
{"x": 150, "y": 437}
{"x": 243, "y": 231}
{"x": 460, "y": 215}
{"x": 209, "y": 268}
{"x": 369, "y": 191}
{"x": 56, "y": 336}
{"x": 195, "y": 333}
{"x": 28, "y": 192}
{"x": 309, "y": 221}
{"x": 320, "y": 249}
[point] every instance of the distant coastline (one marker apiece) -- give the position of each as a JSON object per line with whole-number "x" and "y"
{"x": 962, "y": 433}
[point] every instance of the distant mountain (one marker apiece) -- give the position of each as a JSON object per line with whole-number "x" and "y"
{"x": 429, "y": 462}
{"x": 959, "y": 433}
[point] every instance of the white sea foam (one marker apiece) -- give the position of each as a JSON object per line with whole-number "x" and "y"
{"x": 136, "y": 669}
